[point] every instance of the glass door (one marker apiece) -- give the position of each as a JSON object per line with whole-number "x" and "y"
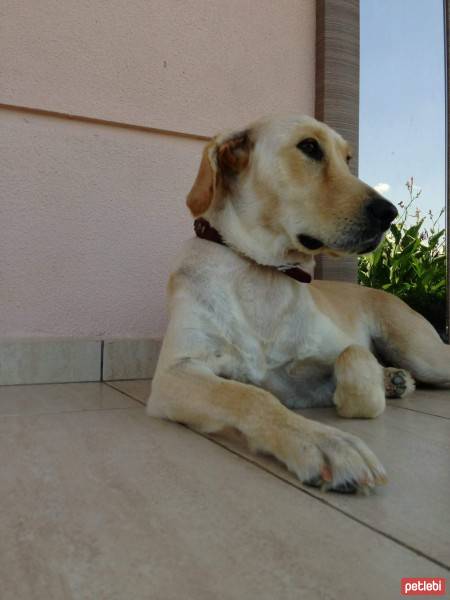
{"x": 402, "y": 147}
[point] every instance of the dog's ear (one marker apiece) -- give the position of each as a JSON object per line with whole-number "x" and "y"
{"x": 203, "y": 191}
{"x": 233, "y": 154}
{"x": 222, "y": 160}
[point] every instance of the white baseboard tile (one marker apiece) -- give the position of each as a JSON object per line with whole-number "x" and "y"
{"x": 24, "y": 361}
{"x": 66, "y": 360}
{"x": 130, "y": 358}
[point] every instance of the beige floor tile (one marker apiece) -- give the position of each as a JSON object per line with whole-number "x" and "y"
{"x": 60, "y": 397}
{"x": 415, "y": 449}
{"x": 112, "y": 505}
{"x": 138, "y": 389}
{"x": 433, "y": 402}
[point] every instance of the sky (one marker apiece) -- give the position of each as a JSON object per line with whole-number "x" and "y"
{"x": 402, "y": 99}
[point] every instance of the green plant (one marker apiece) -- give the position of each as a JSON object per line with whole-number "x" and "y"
{"x": 411, "y": 262}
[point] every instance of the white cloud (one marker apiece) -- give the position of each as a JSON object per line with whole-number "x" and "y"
{"x": 382, "y": 188}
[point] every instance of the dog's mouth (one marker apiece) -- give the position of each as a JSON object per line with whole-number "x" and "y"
{"x": 369, "y": 244}
{"x": 309, "y": 242}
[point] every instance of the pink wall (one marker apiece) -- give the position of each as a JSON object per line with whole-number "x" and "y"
{"x": 91, "y": 214}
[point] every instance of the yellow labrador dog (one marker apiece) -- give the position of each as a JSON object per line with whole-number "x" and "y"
{"x": 250, "y": 338}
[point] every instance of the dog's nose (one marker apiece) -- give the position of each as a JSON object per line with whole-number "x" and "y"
{"x": 382, "y": 211}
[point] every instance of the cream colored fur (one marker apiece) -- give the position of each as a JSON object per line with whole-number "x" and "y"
{"x": 246, "y": 343}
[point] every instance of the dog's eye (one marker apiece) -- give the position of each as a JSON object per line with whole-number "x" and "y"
{"x": 311, "y": 148}
{"x": 348, "y": 159}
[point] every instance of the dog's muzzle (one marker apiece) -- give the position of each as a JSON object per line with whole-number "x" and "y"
{"x": 364, "y": 235}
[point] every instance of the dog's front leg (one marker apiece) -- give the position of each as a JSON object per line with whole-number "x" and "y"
{"x": 189, "y": 392}
{"x": 360, "y": 387}
{"x": 362, "y": 384}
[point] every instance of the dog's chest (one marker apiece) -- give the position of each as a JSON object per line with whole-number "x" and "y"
{"x": 272, "y": 327}
{"x": 248, "y": 322}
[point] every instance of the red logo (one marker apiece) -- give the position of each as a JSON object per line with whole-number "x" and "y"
{"x": 423, "y": 586}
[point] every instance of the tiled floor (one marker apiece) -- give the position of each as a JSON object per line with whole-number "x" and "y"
{"x": 100, "y": 502}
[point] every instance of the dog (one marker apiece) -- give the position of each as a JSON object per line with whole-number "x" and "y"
{"x": 251, "y": 337}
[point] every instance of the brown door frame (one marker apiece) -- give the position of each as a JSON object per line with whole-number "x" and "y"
{"x": 337, "y": 95}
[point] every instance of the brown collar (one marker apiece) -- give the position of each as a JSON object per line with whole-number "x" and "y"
{"x": 205, "y": 231}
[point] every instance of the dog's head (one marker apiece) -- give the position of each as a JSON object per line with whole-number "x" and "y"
{"x": 283, "y": 187}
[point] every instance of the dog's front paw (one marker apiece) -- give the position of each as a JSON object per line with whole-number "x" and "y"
{"x": 398, "y": 383}
{"x": 332, "y": 459}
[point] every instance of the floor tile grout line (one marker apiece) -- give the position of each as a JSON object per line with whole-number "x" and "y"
{"x": 112, "y": 386}
{"x": 326, "y": 503}
{"x": 15, "y": 385}
{"x": 421, "y": 412}
{"x": 66, "y": 412}
{"x": 102, "y": 355}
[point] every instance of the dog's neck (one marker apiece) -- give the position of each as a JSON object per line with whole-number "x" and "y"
{"x": 204, "y": 230}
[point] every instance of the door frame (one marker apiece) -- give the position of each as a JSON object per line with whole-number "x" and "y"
{"x": 337, "y": 96}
